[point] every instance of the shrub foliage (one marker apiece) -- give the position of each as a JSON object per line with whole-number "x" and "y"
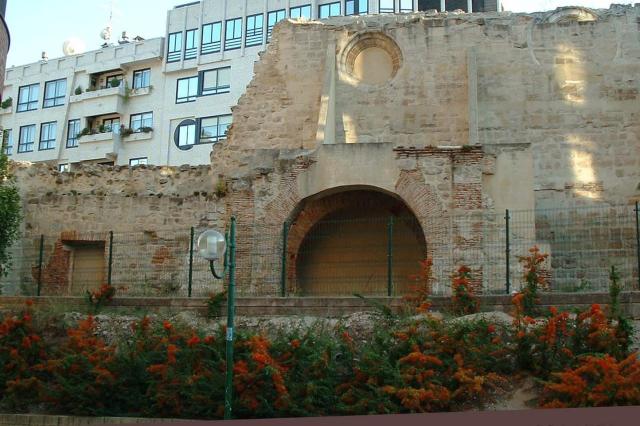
{"x": 410, "y": 363}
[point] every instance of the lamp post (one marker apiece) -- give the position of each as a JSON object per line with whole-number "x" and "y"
{"x": 211, "y": 246}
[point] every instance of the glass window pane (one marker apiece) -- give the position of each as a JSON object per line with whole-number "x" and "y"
{"x": 224, "y": 77}
{"x": 216, "y": 32}
{"x": 386, "y": 6}
{"x": 206, "y": 33}
{"x": 34, "y": 93}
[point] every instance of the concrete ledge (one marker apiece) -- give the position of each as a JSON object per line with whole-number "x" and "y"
{"x": 323, "y": 306}
{"x": 47, "y": 420}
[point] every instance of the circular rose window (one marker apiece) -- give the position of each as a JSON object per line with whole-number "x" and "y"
{"x": 371, "y": 59}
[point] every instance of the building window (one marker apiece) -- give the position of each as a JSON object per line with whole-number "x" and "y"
{"x": 429, "y": 5}
{"x": 73, "y": 129}
{"x": 185, "y": 135}
{"x": 54, "y": 93}
{"x": 386, "y": 6}
{"x": 28, "y": 97}
{"x": 111, "y": 125}
{"x": 7, "y": 141}
{"x": 47, "y": 136}
{"x": 174, "y": 47}
{"x": 300, "y": 12}
{"x": 233, "y": 34}
{"x": 214, "y": 129}
{"x": 138, "y": 161}
{"x": 211, "y": 38}
{"x": 214, "y": 82}
{"x": 27, "y": 138}
{"x": 328, "y": 10}
{"x": 406, "y": 6}
{"x": 255, "y": 27}
{"x": 356, "y": 7}
{"x": 187, "y": 89}
{"x": 139, "y": 121}
{"x": 191, "y": 44}
{"x": 141, "y": 78}
{"x": 272, "y": 19}
{"x": 62, "y": 168}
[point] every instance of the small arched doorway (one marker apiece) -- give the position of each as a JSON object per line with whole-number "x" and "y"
{"x": 349, "y": 241}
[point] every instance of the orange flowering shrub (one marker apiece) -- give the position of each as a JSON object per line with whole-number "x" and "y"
{"x": 406, "y": 365}
{"x": 534, "y": 278}
{"x": 259, "y": 380}
{"x": 21, "y": 347}
{"x": 418, "y": 298}
{"x": 595, "y": 382}
{"x": 463, "y": 299}
{"x": 551, "y": 344}
{"x": 182, "y": 373}
{"x": 100, "y": 297}
{"x": 83, "y": 361}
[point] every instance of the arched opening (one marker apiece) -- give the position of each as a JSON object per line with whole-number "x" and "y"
{"x": 356, "y": 241}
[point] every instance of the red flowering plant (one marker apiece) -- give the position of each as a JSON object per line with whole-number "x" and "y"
{"x": 597, "y": 381}
{"x": 100, "y": 297}
{"x": 418, "y": 298}
{"x": 185, "y": 372}
{"x": 79, "y": 373}
{"x": 259, "y": 379}
{"x": 463, "y": 298}
{"x": 21, "y": 347}
{"x": 315, "y": 361}
{"x": 534, "y": 278}
{"x": 426, "y": 365}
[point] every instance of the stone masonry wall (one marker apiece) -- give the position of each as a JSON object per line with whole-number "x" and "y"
{"x": 150, "y": 211}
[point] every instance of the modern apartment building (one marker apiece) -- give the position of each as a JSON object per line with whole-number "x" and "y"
{"x": 161, "y": 101}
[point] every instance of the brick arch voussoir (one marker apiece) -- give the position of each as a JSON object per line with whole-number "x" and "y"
{"x": 422, "y": 200}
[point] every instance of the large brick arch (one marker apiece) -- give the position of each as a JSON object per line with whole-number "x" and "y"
{"x": 312, "y": 210}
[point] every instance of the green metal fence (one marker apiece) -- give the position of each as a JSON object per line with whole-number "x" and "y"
{"x": 364, "y": 255}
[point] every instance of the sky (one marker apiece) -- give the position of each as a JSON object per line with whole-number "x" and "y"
{"x": 44, "y": 25}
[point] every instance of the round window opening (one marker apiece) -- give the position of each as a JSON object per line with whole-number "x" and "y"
{"x": 372, "y": 59}
{"x": 185, "y": 134}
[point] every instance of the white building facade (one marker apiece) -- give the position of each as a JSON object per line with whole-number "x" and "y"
{"x": 161, "y": 101}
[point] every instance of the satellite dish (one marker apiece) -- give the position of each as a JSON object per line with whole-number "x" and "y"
{"x": 73, "y": 46}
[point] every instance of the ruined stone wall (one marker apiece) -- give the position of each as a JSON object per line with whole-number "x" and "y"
{"x": 150, "y": 211}
{"x": 569, "y": 90}
{"x": 552, "y": 99}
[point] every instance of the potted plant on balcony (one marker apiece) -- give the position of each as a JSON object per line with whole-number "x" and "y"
{"x": 114, "y": 82}
{"x": 78, "y": 90}
{"x": 83, "y": 132}
{"x": 146, "y": 129}
{"x": 7, "y": 103}
{"x": 125, "y": 131}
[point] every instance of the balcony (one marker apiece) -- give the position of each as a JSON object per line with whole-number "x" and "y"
{"x": 140, "y": 91}
{"x": 96, "y": 147}
{"x": 137, "y": 136}
{"x": 109, "y": 100}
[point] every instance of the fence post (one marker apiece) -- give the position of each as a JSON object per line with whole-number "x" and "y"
{"x": 283, "y": 260}
{"x": 190, "y": 262}
{"x": 390, "y": 257}
{"x": 637, "y": 210}
{"x": 110, "y": 257}
{"x": 40, "y": 265}
{"x": 507, "y": 251}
